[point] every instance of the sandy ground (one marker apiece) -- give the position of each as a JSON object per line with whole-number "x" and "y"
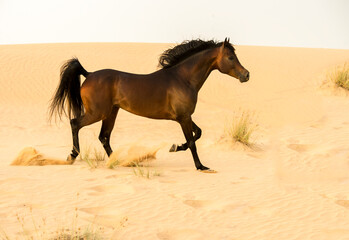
{"x": 293, "y": 185}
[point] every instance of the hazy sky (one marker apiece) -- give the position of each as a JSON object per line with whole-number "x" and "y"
{"x": 298, "y": 23}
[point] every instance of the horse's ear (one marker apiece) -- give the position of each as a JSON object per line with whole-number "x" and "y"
{"x": 226, "y": 41}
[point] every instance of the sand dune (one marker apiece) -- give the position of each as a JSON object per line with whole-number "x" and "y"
{"x": 293, "y": 186}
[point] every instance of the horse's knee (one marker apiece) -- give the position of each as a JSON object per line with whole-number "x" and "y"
{"x": 104, "y": 138}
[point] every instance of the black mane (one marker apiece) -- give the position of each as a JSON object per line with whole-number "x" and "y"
{"x": 173, "y": 56}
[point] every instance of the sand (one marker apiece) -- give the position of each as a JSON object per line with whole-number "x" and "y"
{"x": 293, "y": 185}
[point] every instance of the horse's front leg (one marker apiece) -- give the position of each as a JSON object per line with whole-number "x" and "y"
{"x": 196, "y": 130}
{"x": 187, "y": 128}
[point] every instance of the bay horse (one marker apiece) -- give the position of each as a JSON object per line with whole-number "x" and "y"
{"x": 169, "y": 93}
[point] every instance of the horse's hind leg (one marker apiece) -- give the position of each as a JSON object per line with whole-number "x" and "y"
{"x": 76, "y": 124}
{"x": 197, "y": 131}
{"x": 107, "y": 127}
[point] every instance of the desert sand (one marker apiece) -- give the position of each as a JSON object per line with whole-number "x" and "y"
{"x": 294, "y": 184}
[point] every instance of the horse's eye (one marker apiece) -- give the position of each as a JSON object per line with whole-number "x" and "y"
{"x": 231, "y": 58}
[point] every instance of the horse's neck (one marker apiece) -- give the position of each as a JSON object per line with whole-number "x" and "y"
{"x": 198, "y": 67}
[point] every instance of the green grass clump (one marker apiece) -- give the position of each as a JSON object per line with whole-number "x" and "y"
{"x": 93, "y": 159}
{"x": 340, "y": 76}
{"x": 145, "y": 172}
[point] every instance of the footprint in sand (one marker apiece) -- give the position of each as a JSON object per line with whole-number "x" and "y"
{"x": 343, "y": 203}
{"x": 214, "y": 206}
{"x": 117, "y": 188}
{"x": 106, "y": 216}
{"x": 209, "y": 205}
{"x": 112, "y": 176}
{"x": 257, "y": 155}
{"x": 300, "y": 147}
{"x": 176, "y": 234}
{"x": 91, "y": 179}
{"x": 197, "y": 203}
{"x": 180, "y": 170}
{"x": 167, "y": 181}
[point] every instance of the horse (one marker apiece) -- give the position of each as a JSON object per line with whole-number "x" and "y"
{"x": 169, "y": 93}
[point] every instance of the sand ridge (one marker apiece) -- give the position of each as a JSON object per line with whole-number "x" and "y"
{"x": 294, "y": 186}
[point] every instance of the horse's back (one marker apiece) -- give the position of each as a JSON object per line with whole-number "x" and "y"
{"x": 141, "y": 94}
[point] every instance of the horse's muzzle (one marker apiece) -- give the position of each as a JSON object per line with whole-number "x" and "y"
{"x": 245, "y": 77}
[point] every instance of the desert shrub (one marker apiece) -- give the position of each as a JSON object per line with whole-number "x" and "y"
{"x": 240, "y": 128}
{"x": 340, "y": 76}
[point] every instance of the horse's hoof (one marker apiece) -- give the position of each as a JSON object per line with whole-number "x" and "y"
{"x": 174, "y": 148}
{"x": 207, "y": 170}
{"x": 202, "y": 167}
{"x": 70, "y": 159}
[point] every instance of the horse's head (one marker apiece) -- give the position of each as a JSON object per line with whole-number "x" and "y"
{"x": 228, "y": 63}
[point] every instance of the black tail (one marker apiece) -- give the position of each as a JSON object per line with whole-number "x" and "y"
{"x": 69, "y": 89}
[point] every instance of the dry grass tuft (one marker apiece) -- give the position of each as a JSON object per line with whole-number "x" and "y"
{"x": 38, "y": 230}
{"x": 340, "y": 76}
{"x": 240, "y": 129}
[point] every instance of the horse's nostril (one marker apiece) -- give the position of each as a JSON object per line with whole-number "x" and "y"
{"x": 248, "y": 75}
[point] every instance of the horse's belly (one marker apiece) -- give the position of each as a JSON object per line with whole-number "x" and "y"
{"x": 148, "y": 107}
{"x": 145, "y": 98}
{"x": 150, "y": 113}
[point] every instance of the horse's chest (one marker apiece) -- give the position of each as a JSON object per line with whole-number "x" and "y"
{"x": 184, "y": 103}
